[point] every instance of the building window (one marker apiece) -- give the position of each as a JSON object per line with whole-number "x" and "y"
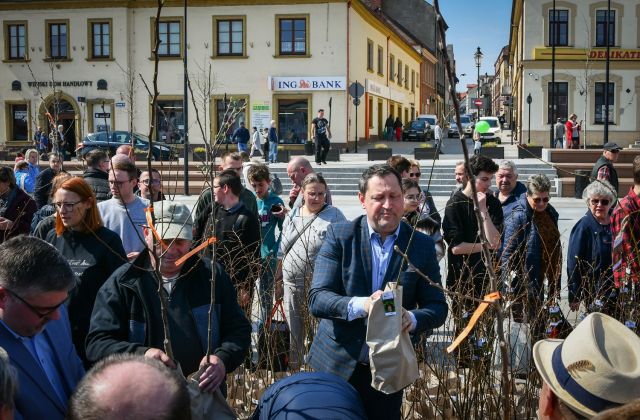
{"x": 58, "y": 40}
{"x": 229, "y": 37}
{"x": 224, "y": 109}
{"x": 17, "y": 121}
{"x": 392, "y": 67}
{"x": 292, "y": 35}
{"x": 400, "y": 72}
{"x": 559, "y": 33}
{"x": 380, "y": 61}
{"x": 15, "y": 41}
{"x": 100, "y": 39}
{"x": 413, "y": 80}
{"x": 370, "y": 112}
{"x": 601, "y": 27}
{"x": 170, "y": 120}
{"x": 369, "y": 55}
{"x": 406, "y": 77}
{"x": 561, "y": 101}
{"x": 600, "y": 102}
{"x": 169, "y": 34}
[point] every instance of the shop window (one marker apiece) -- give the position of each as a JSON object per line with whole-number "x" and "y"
{"x": 57, "y": 40}
{"x": 559, "y": 33}
{"x": 380, "y": 61}
{"x": 15, "y": 34}
{"x": 18, "y": 122}
{"x": 229, "y": 36}
{"x": 170, "y": 121}
{"x": 601, "y": 28}
{"x": 293, "y": 120}
{"x": 369, "y": 55}
{"x": 600, "y": 102}
{"x": 230, "y": 112}
{"x": 293, "y": 35}
{"x": 561, "y": 101}
{"x": 100, "y": 39}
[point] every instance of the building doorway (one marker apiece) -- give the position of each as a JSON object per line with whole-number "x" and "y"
{"x": 61, "y": 110}
{"x": 380, "y": 121}
{"x": 292, "y": 117}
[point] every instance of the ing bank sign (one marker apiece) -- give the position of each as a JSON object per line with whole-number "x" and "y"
{"x": 302, "y": 83}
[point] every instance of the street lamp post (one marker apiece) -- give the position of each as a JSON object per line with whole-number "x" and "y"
{"x": 529, "y": 100}
{"x": 478, "y": 59}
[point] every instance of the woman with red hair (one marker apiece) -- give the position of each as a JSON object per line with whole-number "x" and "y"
{"x": 93, "y": 251}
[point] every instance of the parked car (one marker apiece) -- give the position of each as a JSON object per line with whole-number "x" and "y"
{"x": 494, "y": 133}
{"x": 113, "y": 139}
{"x": 417, "y": 130}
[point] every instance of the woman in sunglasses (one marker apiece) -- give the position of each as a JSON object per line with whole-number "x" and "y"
{"x": 589, "y": 255}
{"x": 93, "y": 251}
{"x": 531, "y": 252}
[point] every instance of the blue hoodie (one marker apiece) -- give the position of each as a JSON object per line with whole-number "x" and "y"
{"x": 268, "y": 223}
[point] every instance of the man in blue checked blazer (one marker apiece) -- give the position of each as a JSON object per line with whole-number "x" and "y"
{"x": 34, "y": 327}
{"x": 352, "y": 268}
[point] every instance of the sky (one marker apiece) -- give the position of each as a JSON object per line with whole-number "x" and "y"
{"x": 473, "y": 24}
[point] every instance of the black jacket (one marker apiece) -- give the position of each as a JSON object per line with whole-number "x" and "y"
{"x": 126, "y": 316}
{"x": 93, "y": 257}
{"x": 99, "y": 182}
{"x": 43, "y": 186}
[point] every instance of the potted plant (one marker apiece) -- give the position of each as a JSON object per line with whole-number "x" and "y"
{"x": 140, "y": 154}
{"x": 425, "y": 151}
{"x": 492, "y": 151}
{"x": 200, "y": 154}
{"x": 529, "y": 150}
{"x": 380, "y": 151}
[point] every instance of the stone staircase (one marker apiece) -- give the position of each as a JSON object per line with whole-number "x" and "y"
{"x": 344, "y": 181}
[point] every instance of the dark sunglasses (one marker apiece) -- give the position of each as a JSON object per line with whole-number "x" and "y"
{"x": 414, "y": 174}
{"x": 539, "y": 200}
{"x": 41, "y": 314}
{"x": 603, "y": 201}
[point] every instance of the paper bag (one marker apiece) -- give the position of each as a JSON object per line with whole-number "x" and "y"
{"x": 205, "y": 406}
{"x": 393, "y": 361}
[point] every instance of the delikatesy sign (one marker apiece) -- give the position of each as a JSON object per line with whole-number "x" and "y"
{"x": 301, "y": 83}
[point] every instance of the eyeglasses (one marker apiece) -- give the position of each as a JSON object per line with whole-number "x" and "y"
{"x": 414, "y": 174}
{"x": 118, "y": 183}
{"x": 615, "y": 151}
{"x": 539, "y": 200}
{"x": 316, "y": 195}
{"x": 66, "y": 206}
{"x": 412, "y": 197}
{"x": 151, "y": 181}
{"x": 47, "y": 311}
{"x": 596, "y": 201}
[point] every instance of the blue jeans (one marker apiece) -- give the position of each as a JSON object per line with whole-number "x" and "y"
{"x": 273, "y": 151}
{"x": 242, "y": 147}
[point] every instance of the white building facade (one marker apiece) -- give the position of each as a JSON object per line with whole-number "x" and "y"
{"x": 580, "y": 56}
{"x": 87, "y": 66}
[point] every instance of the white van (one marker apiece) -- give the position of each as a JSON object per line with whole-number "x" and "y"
{"x": 494, "y": 132}
{"x": 429, "y": 118}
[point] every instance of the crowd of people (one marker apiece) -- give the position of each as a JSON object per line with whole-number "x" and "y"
{"x": 102, "y": 273}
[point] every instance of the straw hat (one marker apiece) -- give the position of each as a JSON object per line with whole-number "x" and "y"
{"x": 596, "y": 368}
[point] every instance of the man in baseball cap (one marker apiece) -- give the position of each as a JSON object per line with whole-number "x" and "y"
{"x": 604, "y": 169}
{"x": 127, "y": 318}
{"x": 595, "y": 369}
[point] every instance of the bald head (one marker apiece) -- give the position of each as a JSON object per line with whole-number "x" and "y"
{"x": 126, "y": 150}
{"x": 298, "y": 168}
{"x": 124, "y": 387}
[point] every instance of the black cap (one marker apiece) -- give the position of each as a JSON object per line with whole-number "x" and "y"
{"x": 611, "y": 146}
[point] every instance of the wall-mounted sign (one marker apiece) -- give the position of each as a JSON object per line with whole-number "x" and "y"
{"x": 581, "y": 54}
{"x": 67, "y": 83}
{"x": 121, "y": 105}
{"x": 277, "y": 83}
{"x": 376, "y": 89}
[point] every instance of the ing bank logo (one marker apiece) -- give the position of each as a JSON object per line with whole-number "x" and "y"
{"x": 304, "y": 84}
